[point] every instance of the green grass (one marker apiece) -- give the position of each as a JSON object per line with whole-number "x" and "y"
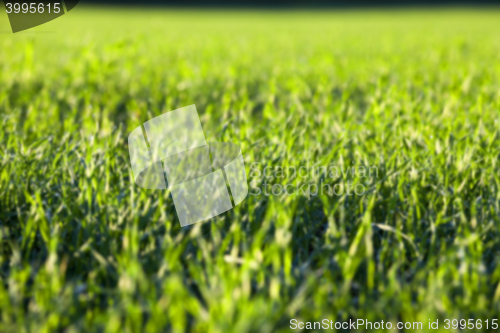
{"x": 415, "y": 93}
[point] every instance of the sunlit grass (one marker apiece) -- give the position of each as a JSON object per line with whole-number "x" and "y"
{"x": 414, "y": 93}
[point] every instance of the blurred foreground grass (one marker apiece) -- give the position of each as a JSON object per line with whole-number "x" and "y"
{"x": 414, "y": 93}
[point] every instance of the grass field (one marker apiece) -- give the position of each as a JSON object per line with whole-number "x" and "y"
{"x": 414, "y": 93}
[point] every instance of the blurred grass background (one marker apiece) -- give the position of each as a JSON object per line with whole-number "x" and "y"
{"x": 414, "y": 92}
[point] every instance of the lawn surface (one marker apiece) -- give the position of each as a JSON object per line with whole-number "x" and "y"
{"x": 413, "y": 94}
